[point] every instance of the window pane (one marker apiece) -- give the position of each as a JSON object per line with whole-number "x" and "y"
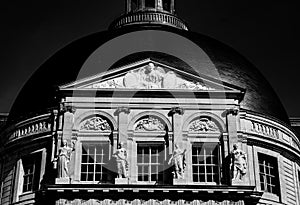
{"x": 205, "y": 162}
{"x": 94, "y": 158}
{"x": 150, "y": 3}
{"x": 150, "y": 161}
{"x": 268, "y": 172}
{"x": 31, "y": 176}
{"x": 167, "y": 5}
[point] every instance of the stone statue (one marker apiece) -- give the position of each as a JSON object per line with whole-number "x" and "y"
{"x": 121, "y": 159}
{"x": 178, "y": 159}
{"x": 238, "y": 163}
{"x": 64, "y": 156}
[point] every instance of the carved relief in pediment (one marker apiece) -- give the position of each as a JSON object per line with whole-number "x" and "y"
{"x": 149, "y": 124}
{"x": 203, "y": 125}
{"x": 151, "y": 77}
{"x": 95, "y": 124}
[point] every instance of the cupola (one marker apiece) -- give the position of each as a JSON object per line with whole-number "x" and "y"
{"x": 149, "y": 12}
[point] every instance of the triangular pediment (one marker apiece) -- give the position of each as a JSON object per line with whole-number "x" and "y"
{"x": 149, "y": 75}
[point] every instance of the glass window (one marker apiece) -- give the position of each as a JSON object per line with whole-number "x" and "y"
{"x": 150, "y": 3}
{"x": 150, "y": 162}
{"x": 134, "y": 5}
{"x": 268, "y": 173}
{"x": 94, "y": 158}
{"x": 205, "y": 162}
{"x": 167, "y": 5}
{"x": 31, "y": 177}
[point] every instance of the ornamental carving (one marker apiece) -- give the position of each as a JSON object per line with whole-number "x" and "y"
{"x": 146, "y": 202}
{"x": 203, "y": 125}
{"x": 151, "y": 77}
{"x": 96, "y": 124}
{"x": 149, "y": 124}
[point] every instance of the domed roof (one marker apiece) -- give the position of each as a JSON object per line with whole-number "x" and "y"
{"x": 66, "y": 66}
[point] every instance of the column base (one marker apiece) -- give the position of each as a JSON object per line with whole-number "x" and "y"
{"x": 121, "y": 181}
{"x": 65, "y": 180}
{"x": 179, "y": 181}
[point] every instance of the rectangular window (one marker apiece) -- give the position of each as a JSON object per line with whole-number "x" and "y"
{"x": 167, "y": 5}
{"x": 205, "y": 162}
{"x": 268, "y": 173}
{"x": 31, "y": 177}
{"x": 150, "y": 3}
{"x": 94, "y": 159}
{"x": 134, "y": 5}
{"x": 150, "y": 162}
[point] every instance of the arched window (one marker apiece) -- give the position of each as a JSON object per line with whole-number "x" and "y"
{"x": 167, "y": 5}
{"x": 150, "y": 3}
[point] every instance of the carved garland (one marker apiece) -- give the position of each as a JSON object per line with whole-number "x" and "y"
{"x": 203, "y": 125}
{"x": 95, "y": 124}
{"x": 149, "y": 124}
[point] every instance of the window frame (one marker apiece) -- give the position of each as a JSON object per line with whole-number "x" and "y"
{"x": 18, "y": 194}
{"x": 150, "y": 7}
{"x": 105, "y": 143}
{"x": 149, "y": 164}
{"x": 193, "y": 138}
{"x": 89, "y": 137}
{"x": 275, "y": 167}
{"x": 217, "y": 165}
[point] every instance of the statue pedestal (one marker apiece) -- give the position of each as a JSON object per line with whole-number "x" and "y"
{"x": 64, "y": 180}
{"x": 179, "y": 182}
{"x": 121, "y": 180}
{"x": 239, "y": 182}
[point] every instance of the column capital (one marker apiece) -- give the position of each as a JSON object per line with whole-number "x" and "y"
{"x": 119, "y": 110}
{"x": 176, "y": 110}
{"x": 233, "y": 111}
{"x": 64, "y": 107}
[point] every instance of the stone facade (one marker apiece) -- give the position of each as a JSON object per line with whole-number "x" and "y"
{"x": 149, "y": 133}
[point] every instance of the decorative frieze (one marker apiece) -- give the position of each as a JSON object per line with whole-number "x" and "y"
{"x": 264, "y": 130}
{"x": 95, "y": 124}
{"x": 145, "y": 202}
{"x": 150, "y": 123}
{"x": 203, "y": 125}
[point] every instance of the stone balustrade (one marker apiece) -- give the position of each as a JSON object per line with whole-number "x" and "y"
{"x": 149, "y": 17}
{"x": 36, "y": 125}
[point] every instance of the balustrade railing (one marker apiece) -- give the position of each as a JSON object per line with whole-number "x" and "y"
{"x": 36, "y": 125}
{"x": 149, "y": 17}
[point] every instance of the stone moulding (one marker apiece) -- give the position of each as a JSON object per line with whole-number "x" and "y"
{"x": 145, "y": 202}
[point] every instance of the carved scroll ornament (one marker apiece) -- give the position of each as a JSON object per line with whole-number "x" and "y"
{"x": 203, "y": 125}
{"x": 149, "y": 124}
{"x": 96, "y": 124}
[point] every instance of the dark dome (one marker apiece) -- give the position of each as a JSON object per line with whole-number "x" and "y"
{"x": 64, "y": 67}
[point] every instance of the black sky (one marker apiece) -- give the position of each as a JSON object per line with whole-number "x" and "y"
{"x": 265, "y": 32}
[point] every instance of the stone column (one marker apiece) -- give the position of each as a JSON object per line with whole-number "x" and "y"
{"x": 234, "y": 141}
{"x": 67, "y": 131}
{"x": 68, "y": 123}
{"x": 122, "y": 113}
{"x": 177, "y": 122}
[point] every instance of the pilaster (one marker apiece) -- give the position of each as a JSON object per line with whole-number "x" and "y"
{"x": 178, "y": 138}
{"x": 122, "y": 114}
